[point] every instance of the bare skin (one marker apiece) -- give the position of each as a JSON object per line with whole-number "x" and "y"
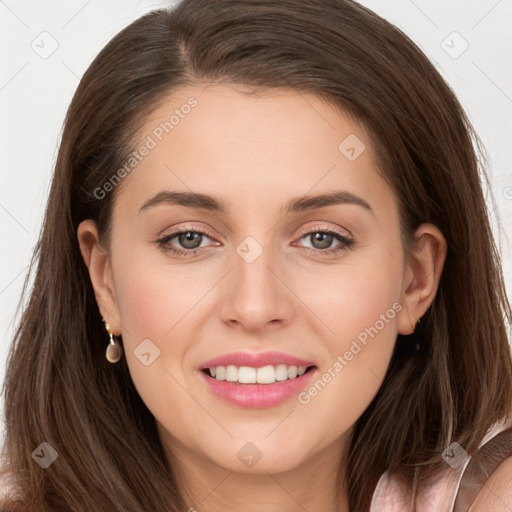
{"x": 256, "y": 153}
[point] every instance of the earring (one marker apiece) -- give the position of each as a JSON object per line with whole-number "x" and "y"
{"x": 114, "y": 349}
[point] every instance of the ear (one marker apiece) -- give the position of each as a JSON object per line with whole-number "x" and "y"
{"x": 423, "y": 268}
{"x": 98, "y": 263}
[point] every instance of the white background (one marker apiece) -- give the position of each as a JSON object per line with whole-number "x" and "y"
{"x": 35, "y": 93}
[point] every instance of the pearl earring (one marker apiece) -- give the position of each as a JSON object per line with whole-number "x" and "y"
{"x": 114, "y": 349}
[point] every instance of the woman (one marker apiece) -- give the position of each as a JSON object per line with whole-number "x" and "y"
{"x": 254, "y": 204}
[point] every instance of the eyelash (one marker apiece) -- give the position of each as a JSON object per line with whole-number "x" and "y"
{"x": 346, "y": 243}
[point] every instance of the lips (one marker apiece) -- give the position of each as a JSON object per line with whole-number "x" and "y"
{"x": 260, "y": 395}
{"x": 255, "y": 360}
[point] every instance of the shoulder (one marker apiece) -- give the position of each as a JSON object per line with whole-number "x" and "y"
{"x": 491, "y": 473}
{"x": 496, "y": 494}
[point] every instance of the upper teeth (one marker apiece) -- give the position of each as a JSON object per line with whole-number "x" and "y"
{"x": 249, "y": 375}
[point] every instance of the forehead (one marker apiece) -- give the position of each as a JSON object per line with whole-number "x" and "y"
{"x": 279, "y": 143}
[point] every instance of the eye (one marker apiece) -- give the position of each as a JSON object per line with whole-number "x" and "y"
{"x": 322, "y": 239}
{"x": 190, "y": 240}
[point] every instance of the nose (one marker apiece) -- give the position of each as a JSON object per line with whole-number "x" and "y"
{"x": 256, "y": 296}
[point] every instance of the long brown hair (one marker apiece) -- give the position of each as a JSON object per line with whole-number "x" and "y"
{"x": 60, "y": 389}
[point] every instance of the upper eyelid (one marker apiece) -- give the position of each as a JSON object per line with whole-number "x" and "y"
{"x": 339, "y": 231}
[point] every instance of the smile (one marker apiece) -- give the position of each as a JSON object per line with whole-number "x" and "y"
{"x": 242, "y": 387}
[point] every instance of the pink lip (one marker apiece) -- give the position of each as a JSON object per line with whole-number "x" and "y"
{"x": 255, "y": 360}
{"x": 258, "y": 395}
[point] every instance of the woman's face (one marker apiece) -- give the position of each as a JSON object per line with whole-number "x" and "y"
{"x": 285, "y": 267}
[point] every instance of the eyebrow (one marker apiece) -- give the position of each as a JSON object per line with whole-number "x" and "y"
{"x": 213, "y": 204}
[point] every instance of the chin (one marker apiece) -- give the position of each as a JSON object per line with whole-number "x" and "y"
{"x": 258, "y": 456}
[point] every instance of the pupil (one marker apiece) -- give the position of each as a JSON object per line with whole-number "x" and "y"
{"x": 324, "y": 239}
{"x": 189, "y": 238}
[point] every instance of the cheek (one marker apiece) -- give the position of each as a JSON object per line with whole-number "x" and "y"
{"x": 146, "y": 305}
{"x": 359, "y": 303}
{"x": 153, "y": 301}
{"x": 158, "y": 302}
{"x": 354, "y": 294}
{"x": 154, "y": 297}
